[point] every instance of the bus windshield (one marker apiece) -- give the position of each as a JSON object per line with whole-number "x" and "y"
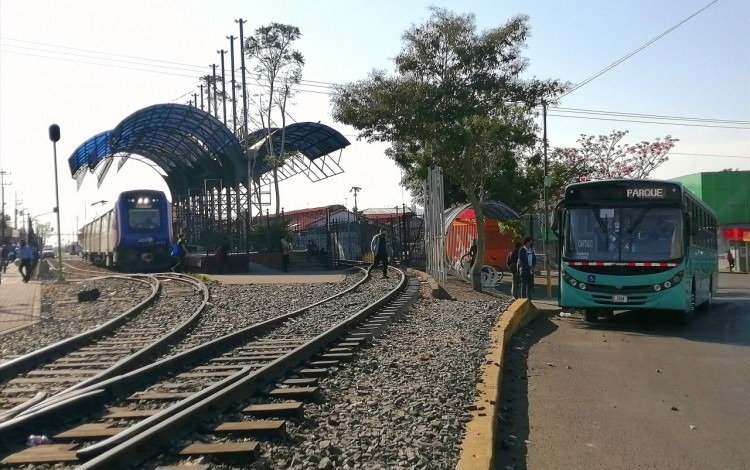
{"x": 623, "y": 234}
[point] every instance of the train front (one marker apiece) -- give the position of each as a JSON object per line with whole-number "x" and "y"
{"x": 144, "y": 228}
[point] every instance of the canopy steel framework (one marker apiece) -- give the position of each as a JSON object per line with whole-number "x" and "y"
{"x": 206, "y": 166}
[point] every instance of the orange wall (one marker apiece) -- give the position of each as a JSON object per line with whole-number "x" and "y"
{"x": 497, "y": 245}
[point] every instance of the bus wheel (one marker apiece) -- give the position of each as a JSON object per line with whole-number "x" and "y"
{"x": 707, "y": 304}
{"x": 591, "y": 315}
{"x": 684, "y": 317}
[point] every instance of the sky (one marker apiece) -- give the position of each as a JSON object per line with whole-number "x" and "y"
{"x": 87, "y": 65}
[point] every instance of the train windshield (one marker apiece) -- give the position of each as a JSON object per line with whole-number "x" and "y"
{"x": 145, "y": 220}
{"x": 624, "y": 234}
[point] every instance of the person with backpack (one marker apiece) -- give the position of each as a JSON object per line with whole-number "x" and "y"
{"x": 512, "y": 262}
{"x": 179, "y": 253}
{"x": 526, "y": 265}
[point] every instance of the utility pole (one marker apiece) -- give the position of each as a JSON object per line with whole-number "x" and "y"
{"x": 201, "y": 87}
{"x": 195, "y": 100}
{"x": 216, "y": 103}
{"x": 3, "y": 224}
{"x": 234, "y": 84}
{"x": 246, "y": 134}
{"x": 546, "y": 203}
{"x": 223, "y": 85}
{"x": 15, "y": 210}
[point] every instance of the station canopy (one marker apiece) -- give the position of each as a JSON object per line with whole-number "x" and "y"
{"x": 191, "y": 147}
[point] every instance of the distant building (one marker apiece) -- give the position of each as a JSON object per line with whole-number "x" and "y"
{"x": 727, "y": 193}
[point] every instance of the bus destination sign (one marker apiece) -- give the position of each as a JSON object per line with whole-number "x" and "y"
{"x": 645, "y": 193}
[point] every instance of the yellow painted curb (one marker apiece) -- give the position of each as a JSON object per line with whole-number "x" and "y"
{"x": 479, "y": 441}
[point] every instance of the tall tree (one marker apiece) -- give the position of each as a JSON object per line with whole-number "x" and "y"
{"x": 457, "y": 101}
{"x": 281, "y": 67}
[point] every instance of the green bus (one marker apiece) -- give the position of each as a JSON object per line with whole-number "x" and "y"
{"x": 635, "y": 245}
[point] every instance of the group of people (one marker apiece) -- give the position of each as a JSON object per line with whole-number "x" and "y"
{"x": 521, "y": 264}
{"x": 24, "y": 253}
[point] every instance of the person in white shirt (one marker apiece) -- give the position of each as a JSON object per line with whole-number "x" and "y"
{"x": 26, "y": 255}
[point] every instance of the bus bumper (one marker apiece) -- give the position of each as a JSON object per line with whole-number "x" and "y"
{"x": 674, "y": 298}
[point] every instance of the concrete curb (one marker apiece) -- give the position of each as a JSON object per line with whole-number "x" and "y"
{"x": 436, "y": 292}
{"x": 477, "y": 448}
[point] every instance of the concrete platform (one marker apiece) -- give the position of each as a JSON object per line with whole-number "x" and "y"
{"x": 20, "y": 302}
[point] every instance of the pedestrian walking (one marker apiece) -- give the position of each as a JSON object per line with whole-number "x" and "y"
{"x": 526, "y": 265}
{"x": 730, "y": 260}
{"x": 379, "y": 247}
{"x": 26, "y": 255}
{"x": 472, "y": 253}
{"x": 4, "y": 254}
{"x": 512, "y": 262}
{"x": 286, "y": 248}
{"x": 179, "y": 253}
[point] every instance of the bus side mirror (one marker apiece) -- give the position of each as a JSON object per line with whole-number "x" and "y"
{"x": 557, "y": 221}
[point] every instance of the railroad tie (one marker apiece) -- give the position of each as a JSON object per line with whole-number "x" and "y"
{"x": 275, "y": 427}
{"x": 239, "y": 452}
{"x": 302, "y": 393}
{"x": 42, "y": 454}
{"x": 290, "y": 408}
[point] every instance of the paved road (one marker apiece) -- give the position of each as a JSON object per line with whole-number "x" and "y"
{"x": 632, "y": 392}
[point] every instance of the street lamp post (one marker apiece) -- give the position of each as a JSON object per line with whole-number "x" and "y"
{"x": 54, "y": 136}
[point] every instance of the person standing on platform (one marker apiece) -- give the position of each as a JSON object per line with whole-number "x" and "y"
{"x": 26, "y": 255}
{"x": 379, "y": 247}
{"x": 526, "y": 265}
{"x": 286, "y": 247}
{"x": 730, "y": 260}
{"x": 4, "y": 254}
{"x": 512, "y": 261}
{"x": 222, "y": 257}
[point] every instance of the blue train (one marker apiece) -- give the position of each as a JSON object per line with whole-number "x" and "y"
{"x": 134, "y": 236}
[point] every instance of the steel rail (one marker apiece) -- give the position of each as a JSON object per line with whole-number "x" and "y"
{"x": 60, "y": 408}
{"x": 28, "y": 361}
{"x": 149, "y": 436}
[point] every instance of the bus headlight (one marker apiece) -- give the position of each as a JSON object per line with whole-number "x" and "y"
{"x": 667, "y": 285}
{"x": 657, "y": 287}
{"x": 582, "y": 286}
{"x": 573, "y": 282}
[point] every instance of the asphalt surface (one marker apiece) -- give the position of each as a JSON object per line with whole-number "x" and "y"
{"x": 636, "y": 391}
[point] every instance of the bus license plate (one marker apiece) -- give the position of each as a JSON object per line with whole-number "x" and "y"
{"x": 620, "y": 298}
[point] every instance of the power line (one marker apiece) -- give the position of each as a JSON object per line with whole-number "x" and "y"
{"x": 631, "y": 54}
{"x": 649, "y": 122}
{"x": 708, "y": 155}
{"x": 649, "y": 116}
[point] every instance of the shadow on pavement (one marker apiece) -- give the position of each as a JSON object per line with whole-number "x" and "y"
{"x": 513, "y": 419}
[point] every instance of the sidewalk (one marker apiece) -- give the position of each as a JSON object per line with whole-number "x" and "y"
{"x": 20, "y": 303}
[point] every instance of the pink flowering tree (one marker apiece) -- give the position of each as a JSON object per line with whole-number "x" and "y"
{"x": 606, "y": 157}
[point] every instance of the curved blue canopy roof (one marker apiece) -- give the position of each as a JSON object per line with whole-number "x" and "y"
{"x": 190, "y": 145}
{"x": 311, "y": 139}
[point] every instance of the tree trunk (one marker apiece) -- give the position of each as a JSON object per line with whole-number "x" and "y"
{"x": 476, "y": 270}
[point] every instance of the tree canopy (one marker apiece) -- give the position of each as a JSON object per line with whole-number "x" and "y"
{"x": 457, "y": 100}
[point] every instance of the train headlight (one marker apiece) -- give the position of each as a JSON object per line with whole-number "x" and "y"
{"x": 582, "y": 286}
{"x": 573, "y": 282}
{"x": 667, "y": 285}
{"x": 657, "y": 287}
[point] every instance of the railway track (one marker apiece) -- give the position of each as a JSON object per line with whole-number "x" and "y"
{"x": 188, "y": 387}
{"x": 122, "y": 344}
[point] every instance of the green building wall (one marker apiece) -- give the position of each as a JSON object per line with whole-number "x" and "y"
{"x": 726, "y": 192}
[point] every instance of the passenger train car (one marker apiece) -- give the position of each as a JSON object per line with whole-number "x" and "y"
{"x": 134, "y": 236}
